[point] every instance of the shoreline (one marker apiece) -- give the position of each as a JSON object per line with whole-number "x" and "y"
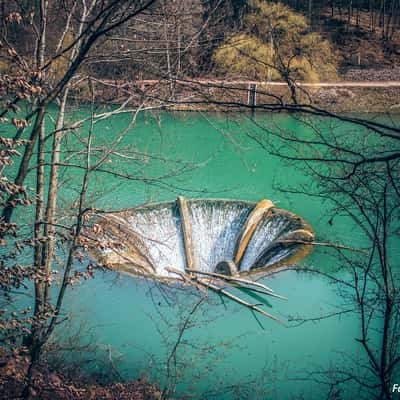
{"x": 223, "y": 95}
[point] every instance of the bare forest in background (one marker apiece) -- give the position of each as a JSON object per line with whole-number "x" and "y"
{"x": 178, "y": 38}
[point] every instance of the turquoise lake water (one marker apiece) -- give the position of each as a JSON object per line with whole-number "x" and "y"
{"x": 227, "y": 351}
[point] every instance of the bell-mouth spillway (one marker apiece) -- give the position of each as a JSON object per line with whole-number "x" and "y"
{"x": 227, "y": 237}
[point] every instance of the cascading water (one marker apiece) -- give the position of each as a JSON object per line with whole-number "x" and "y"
{"x": 216, "y": 226}
{"x": 161, "y": 232}
{"x": 268, "y": 231}
{"x": 251, "y": 237}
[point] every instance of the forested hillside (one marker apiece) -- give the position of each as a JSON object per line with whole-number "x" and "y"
{"x": 365, "y": 32}
{"x": 179, "y": 38}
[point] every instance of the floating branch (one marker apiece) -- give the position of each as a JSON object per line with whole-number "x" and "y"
{"x": 324, "y": 244}
{"x": 233, "y": 279}
{"x": 223, "y": 292}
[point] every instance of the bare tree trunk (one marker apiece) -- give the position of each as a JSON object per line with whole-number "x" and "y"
{"x": 41, "y": 43}
{"x": 50, "y": 218}
{"x": 78, "y": 227}
{"x": 39, "y": 300}
{"x": 167, "y": 48}
{"x": 178, "y": 68}
{"x": 38, "y": 234}
{"x": 350, "y": 10}
{"x": 37, "y": 328}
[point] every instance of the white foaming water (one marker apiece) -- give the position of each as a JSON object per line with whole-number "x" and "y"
{"x": 267, "y": 231}
{"x": 216, "y": 227}
{"x": 161, "y": 232}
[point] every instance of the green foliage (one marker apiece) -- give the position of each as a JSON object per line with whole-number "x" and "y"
{"x": 248, "y": 55}
{"x": 277, "y": 45}
{"x": 266, "y": 17}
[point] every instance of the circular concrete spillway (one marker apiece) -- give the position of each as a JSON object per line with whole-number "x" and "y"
{"x": 209, "y": 235}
